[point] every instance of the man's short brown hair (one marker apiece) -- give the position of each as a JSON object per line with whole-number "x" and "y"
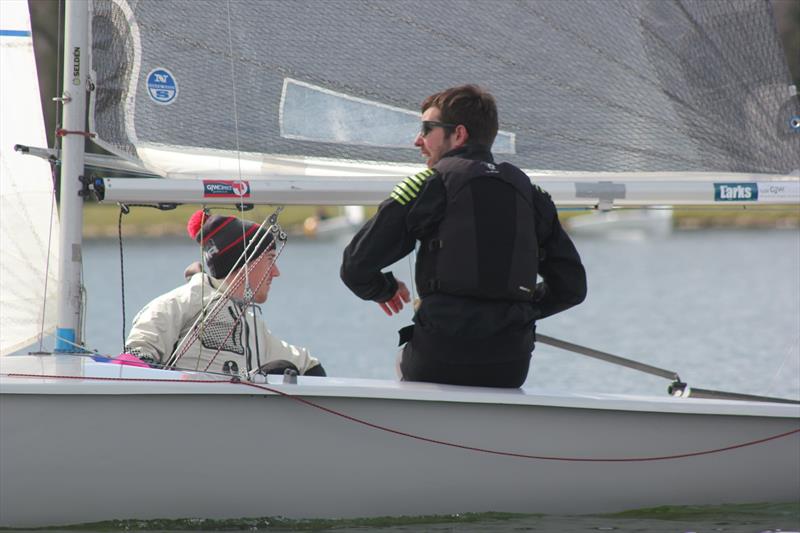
{"x": 471, "y": 106}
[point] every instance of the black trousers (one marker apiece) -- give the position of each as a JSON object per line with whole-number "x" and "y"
{"x": 487, "y": 363}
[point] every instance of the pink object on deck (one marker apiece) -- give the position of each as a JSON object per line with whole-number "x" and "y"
{"x": 128, "y": 359}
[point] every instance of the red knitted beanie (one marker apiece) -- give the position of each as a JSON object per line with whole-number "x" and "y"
{"x": 225, "y": 239}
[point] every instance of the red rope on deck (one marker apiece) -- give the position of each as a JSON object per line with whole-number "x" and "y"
{"x": 430, "y": 440}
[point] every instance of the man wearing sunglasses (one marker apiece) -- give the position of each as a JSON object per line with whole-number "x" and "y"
{"x": 485, "y": 232}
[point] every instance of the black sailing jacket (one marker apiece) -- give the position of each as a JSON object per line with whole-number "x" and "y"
{"x": 402, "y": 220}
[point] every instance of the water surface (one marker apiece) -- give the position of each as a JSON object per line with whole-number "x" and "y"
{"x": 721, "y": 308}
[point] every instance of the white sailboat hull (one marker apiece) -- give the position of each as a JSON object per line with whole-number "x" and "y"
{"x": 77, "y": 450}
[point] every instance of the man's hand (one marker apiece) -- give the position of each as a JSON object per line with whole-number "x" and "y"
{"x": 394, "y": 304}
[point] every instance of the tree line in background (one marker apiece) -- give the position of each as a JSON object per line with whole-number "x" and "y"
{"x": 48, "y": 30}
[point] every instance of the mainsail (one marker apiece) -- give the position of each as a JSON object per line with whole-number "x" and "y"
{"x": 192, "y": 88}
{"x": 28, "y": 220}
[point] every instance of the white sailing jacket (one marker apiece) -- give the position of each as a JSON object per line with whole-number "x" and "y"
{"x": 231, "y": 345}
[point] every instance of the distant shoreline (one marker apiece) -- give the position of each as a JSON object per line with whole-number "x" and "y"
{"x": 101, "y": 221}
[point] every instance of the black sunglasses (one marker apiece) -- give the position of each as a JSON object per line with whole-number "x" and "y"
{"x": 428, "y": 125}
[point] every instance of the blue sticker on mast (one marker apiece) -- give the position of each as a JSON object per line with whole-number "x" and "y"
{"x": 162, "y": 86}
{"x": 735, "y": 192}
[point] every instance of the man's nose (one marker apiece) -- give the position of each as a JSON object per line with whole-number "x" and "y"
{"x": 275, "y": 271}
{"x": 418, "y": 140}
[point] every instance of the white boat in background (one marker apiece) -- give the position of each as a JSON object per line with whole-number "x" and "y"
{"x": 346, "y": 222}
{"x": 85, "y": 440}
{"x": 625, "y": 224}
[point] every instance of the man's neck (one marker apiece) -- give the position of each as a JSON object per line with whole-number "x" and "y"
{"x": 475, "y": 152}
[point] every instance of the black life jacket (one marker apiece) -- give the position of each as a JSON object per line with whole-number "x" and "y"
{"x": 485, "y": 245}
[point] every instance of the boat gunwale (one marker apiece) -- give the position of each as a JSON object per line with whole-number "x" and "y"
{"x": 68, "y": 375}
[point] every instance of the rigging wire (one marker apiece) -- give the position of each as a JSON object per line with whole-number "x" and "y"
{"x": 224, "y": 292}
{"x": 202, "y": 325}
{"x": 248, "y": 302}
{"x": 47, "y": 260}
{"x": 789, "y": 355}
{"x": 217, "y": 300}
{"x": 123, "y": 210}
{"x": 53, "y": 173}
{"x": 248, "y": 299}
{"x": 248, "y": 292}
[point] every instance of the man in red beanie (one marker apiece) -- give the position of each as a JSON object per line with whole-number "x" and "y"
{"x": 209, "y": 324}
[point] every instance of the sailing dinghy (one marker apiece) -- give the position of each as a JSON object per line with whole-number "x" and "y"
{"x": 247, "y": 102}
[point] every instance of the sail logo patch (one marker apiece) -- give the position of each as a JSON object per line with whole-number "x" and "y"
{"x": 162, "y": 86}
{"x": 226, "y": 189}
{"x": 735, "y": 192}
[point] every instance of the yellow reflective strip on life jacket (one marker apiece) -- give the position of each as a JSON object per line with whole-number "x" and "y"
{"x": 406, "y": 188}
{"x": 420, "y": 177}
{"x": 417, "y": 180}
{"x": 397, "y": 198}
{"x": 403, "y": 193}
{"x": 415, "y": 186}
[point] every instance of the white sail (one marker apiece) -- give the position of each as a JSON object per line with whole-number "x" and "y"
{"x": 28, "y": 220}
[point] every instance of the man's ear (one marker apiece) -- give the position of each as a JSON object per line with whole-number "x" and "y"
{"x": 460, "y": 136}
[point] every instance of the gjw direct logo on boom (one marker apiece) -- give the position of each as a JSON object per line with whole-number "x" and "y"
{"x": 735, "y": 192}
{"x": 226, "y": 189}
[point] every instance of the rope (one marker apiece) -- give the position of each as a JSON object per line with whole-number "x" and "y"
{"x": 514, "y": 454}
{"x": 61, "y": 132}
{"x": 123, "y": 209}
{"x": 429, "y": 440}
{"x": 607, "y": 357}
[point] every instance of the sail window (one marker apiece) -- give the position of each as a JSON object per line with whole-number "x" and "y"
{"x": 312, "y": 113}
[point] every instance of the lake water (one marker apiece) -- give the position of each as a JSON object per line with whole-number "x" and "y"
{"x": 721, "y": 308}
